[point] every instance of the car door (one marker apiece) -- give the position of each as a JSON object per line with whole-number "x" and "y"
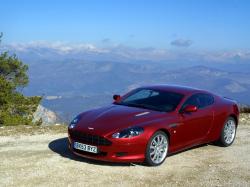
{"x": 194, "y": 126}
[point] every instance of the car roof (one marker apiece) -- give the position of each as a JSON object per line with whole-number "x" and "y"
{"x": 176, "y": 88}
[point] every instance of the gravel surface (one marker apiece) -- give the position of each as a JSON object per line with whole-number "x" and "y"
{"x": 39, "y": 157}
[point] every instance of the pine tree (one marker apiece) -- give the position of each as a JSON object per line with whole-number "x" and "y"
{"x": 15, "y": 108}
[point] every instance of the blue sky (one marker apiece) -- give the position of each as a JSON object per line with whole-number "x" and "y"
{"x": 176, "y": 24}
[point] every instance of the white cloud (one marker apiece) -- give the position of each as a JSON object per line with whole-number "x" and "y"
{"x": 60, "y": 47}
{"x": 122, "y": 52}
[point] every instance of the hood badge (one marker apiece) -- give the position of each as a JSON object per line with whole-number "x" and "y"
{"x": 90, "y": 128}
{"x": 142, "y": 114}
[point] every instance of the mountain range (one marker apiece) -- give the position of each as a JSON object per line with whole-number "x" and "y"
{"x": 72, "y": 83}
{"x": 83, "y": 85}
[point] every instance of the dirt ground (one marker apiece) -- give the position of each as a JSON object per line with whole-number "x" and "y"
{"x": 39, "y": 157}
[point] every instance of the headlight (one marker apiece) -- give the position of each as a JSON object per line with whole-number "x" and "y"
{"x": 74, "y": 122}
{"x": 129, "y": 132}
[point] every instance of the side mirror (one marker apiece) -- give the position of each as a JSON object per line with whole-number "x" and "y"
{"x": 190, "y": 108}
{"x": 116, "y": 97}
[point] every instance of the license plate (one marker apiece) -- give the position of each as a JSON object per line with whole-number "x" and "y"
{"x": 85, "y": 147}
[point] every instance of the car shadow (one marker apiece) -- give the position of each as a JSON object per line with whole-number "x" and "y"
{"x": 187, "y": 150}
{"x": 192, "y": 148}
{"x": 60, "y": 146}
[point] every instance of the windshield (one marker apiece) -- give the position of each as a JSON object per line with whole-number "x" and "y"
{"x": 152, "y": 99}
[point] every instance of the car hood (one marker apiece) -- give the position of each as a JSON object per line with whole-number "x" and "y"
{"x": 106, "y": 120}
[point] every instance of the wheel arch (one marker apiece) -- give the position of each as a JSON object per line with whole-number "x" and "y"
{"x": 165, "y": 131}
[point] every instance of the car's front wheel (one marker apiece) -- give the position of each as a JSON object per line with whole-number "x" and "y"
{"x": 228, "y": 132}
{"x": 157, "y": 149}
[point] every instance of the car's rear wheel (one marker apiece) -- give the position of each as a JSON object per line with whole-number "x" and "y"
{"x": 157, "y": 149}
{"x": 228, "y": 132}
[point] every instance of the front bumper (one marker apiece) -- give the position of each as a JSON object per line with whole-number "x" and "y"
{"x": 121, "y": 150}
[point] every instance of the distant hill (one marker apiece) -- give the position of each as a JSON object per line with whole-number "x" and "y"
{"x": 83, "y": 85}
{"x": 73, "y": 82}
{"x": 74, "y": 78}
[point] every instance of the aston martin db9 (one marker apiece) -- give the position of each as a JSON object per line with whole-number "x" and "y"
{"x": 151, "y": 122}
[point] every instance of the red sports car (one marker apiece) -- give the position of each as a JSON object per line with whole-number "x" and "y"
{"x": 151, "y": 122}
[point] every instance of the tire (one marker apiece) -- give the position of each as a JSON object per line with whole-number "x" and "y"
{"x": 228, "y": 132}
{"x": 157, "y": 149}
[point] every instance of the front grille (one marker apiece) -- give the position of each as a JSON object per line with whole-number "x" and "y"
{"x": 89, "y": 138}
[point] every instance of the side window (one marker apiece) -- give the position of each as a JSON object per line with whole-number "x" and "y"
{"x": 205, "y": 100}
{"x": 199, "y": 100}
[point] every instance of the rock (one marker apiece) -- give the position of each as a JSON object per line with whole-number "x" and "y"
{"x": 48, "y": 117}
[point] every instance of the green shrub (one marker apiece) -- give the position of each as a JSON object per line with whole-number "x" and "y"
{"x": 15, "y": 108}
